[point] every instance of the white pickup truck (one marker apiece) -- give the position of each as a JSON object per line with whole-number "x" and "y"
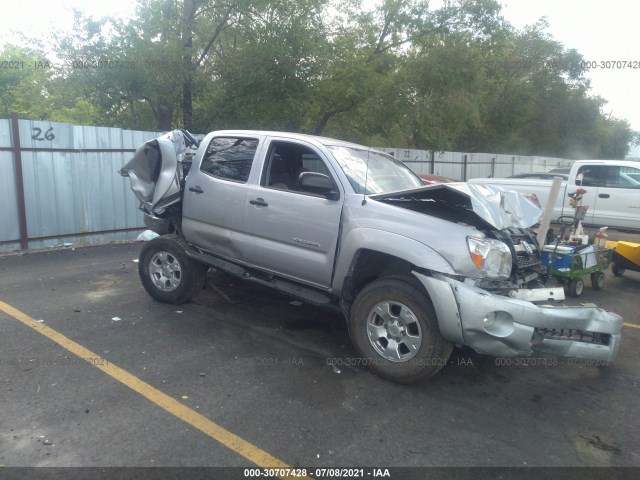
{"x": 613, "y": 191}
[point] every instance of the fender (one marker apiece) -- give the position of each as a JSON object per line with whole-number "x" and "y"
{"x": 405, "y": 248}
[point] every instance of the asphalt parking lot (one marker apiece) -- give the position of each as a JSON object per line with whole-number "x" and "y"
{"x": 241, "y": 376}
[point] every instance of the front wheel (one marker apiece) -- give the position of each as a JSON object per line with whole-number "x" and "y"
{"x": 167, "y": 273}
{"x": 394, "y": 328}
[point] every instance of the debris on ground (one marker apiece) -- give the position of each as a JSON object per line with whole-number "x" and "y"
{"x": 210, "y": 284}
{"x": 146, "y": 236}
{"x": 116, "y": 319}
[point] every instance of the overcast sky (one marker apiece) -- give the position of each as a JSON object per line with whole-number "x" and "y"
{"x": 600, "y": 31}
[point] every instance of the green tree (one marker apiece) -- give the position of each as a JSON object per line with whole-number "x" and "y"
{"x": 457, "y": 77}
{"x": 155, "y": 57}
{"x": 263, "y": 68}
{"x": 23, "y": 86}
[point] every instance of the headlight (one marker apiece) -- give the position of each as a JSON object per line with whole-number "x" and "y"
{"x": 491, "y": 256}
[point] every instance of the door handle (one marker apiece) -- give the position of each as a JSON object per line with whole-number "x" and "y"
{"x": 196, "y": 189}
{"x": 603, "y": 195}
{"x": 259, "y": 202}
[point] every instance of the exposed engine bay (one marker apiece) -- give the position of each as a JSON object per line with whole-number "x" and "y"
{"x": 502, "y": 215}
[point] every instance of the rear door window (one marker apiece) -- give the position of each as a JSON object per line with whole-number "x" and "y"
{"x": 629, "y": 177}
{"x": 230, "y": 158}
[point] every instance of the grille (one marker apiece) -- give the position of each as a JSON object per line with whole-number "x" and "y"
{"x": 518, "y": 238}
{"x": 574, "y": 335}
{"x": 524, "y": 259}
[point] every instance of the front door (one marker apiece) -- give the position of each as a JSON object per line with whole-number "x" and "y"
{"x": 293, "y": 232}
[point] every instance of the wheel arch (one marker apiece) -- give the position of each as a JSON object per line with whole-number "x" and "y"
{"x": 376, "y": 253}
{"x": 404, "y": 292}
{"x": 192, "y": 273}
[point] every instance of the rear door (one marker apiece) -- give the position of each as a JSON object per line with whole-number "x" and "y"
{"x": 291, "y": 232}
{"x": 215, "y": 195}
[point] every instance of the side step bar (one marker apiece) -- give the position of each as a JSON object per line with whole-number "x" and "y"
{"x": 307, "y": 294}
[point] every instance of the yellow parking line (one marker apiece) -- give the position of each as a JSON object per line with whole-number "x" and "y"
{"x": 171, "y": 405}
{"x": 632, "y": 325}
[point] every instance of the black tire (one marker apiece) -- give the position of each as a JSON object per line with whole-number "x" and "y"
{"x": 167, "y": 273}
{"x": 411, "y": 316}
{"x": 576, "y": 286}
{"x": 597, "y": 280}
{"x": 617, "y": 270}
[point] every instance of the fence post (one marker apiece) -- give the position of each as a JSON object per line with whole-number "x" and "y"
{"x": 433, "y": 162}
{"x": 17, "y": 161}
{"x": 464, "y": 168}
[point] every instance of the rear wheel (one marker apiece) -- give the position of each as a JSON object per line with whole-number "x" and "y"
{"x": 167, "y": 273}
{"x": 597, "y": 280}
{"x": 576, "y": 286}
{"x": 617, "y": 270}
{"x": 394, "y": 328}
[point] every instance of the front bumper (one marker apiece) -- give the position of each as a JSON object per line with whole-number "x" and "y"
{"x": 502, "y": 326}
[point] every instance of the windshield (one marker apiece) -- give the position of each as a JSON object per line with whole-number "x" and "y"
{"x": 386, "y": 174}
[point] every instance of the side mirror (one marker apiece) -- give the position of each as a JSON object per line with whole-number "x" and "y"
{"x": 317, "y": 183}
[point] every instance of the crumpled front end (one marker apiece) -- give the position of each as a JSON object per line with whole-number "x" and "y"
{"x": 496, "y": 214}
{"x": 503, "y": 326}
{"x": 488, "y": 306}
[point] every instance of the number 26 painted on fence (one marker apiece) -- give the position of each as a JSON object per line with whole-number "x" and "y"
{"x": 37, "y": 134}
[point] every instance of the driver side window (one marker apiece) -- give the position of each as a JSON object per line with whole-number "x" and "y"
{"x": 610, "y": 176}
{"x": 286, "y": 162}
{"x": 590, "y": 176}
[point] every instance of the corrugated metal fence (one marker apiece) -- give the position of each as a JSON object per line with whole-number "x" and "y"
{"x": 464, "y": 166}
{"x": 59, "y": 182}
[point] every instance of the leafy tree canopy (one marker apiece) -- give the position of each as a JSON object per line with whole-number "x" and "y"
{"x": 457, "y": 77}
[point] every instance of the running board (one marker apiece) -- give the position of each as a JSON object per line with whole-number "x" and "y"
{"x": 308, "y": 294}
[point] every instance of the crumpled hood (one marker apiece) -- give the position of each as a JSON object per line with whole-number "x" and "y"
{"x": 492, "y": 205}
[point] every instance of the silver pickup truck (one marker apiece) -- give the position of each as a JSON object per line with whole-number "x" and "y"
{"x": 414, "y": 269}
